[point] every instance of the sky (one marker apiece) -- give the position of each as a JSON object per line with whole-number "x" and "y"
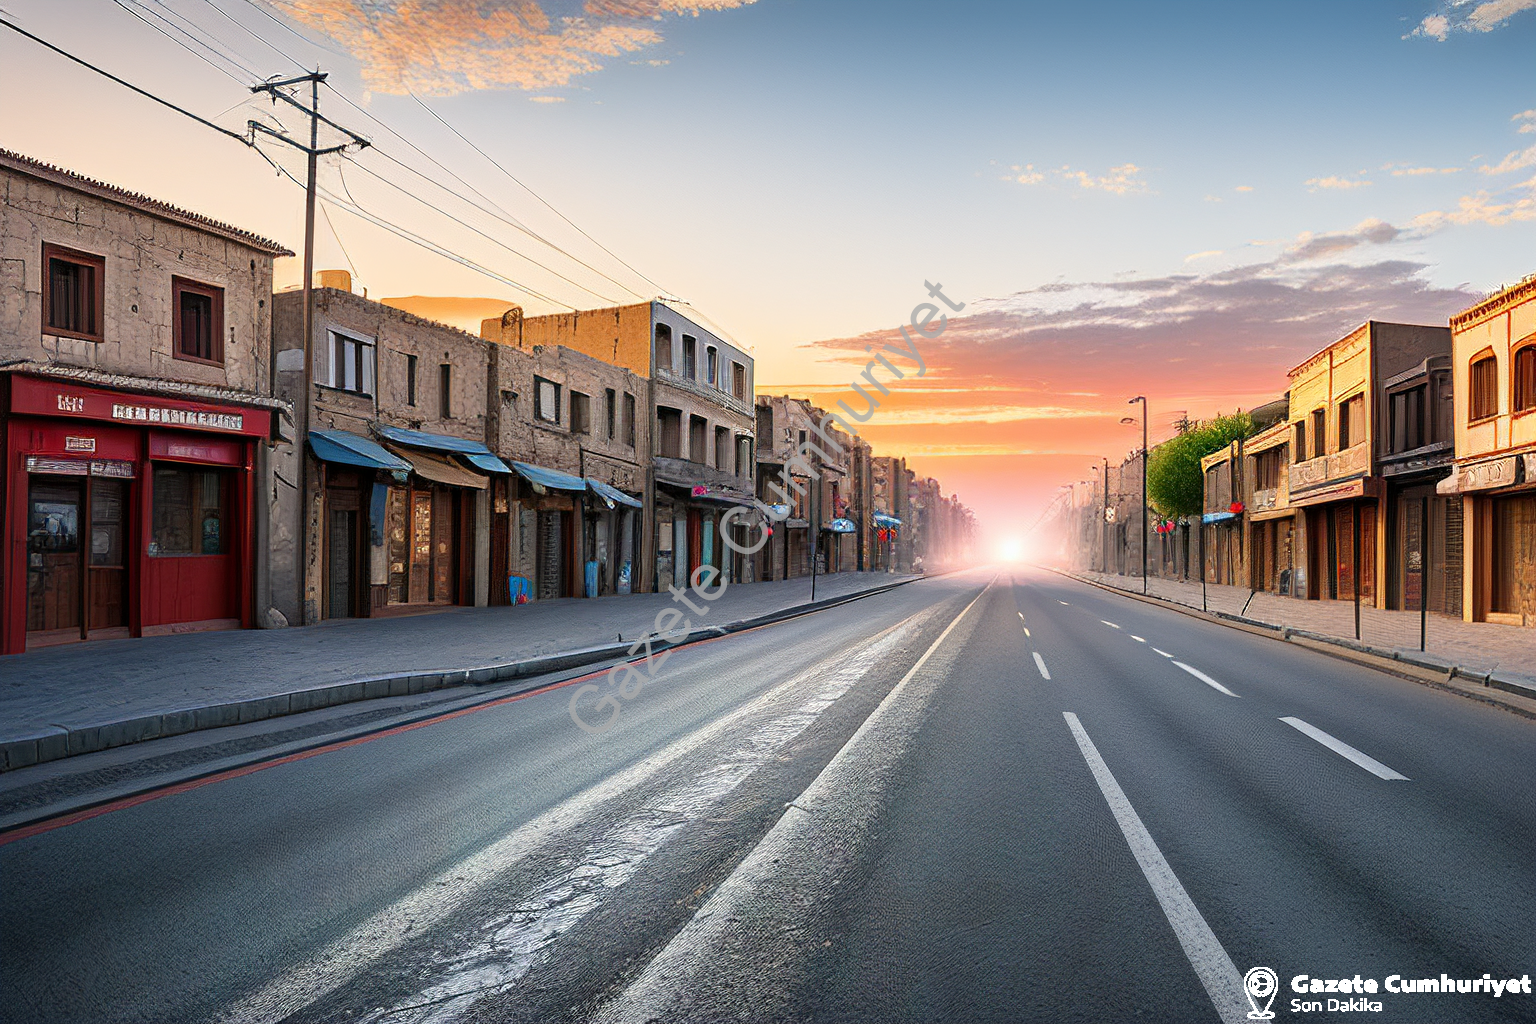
{"x": 1181, "y": 200}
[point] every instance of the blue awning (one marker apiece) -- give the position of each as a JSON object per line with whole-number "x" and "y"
{"x": 841, "y": 526}
{"x": 476, "y": 453}
{"x": 348, "y": 449}
{"x": 881, "y": 519}
{"x": 612, "y": 494}
{"x": 552, "y": 479}
{"x": 1217, "y": 517}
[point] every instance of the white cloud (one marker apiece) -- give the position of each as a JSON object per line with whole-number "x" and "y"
{"x": 1119, "y": 180}
{"x": 1415, "y": 172}
{"x": 1483, "y": 17}
{"x": 1207, "y": 254}
{"x": 1333, "y": 181}
{"x": 1519, "y": 159}
{"x": 1494, "y": 209}
{"x": 1242, "y": 188}
{"x": 1435, "y": 26}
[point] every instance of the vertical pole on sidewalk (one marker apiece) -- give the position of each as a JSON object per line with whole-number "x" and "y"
{"x": 1354, "y": 569}
{"x": 1201, "y": 528}
{"x": 815, "y": 532}
{"x": 1424, "y": 575}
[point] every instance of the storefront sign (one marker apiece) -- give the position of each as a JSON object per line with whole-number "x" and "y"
{"x": 112, "y": 468}
{"x": 178, "y": 417}
{"x": 44, "y": 397}
{"x": 80, "y": 444}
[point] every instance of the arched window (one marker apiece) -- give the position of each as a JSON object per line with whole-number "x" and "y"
{"x": 1483, "y": 388}
{"x": 663, "y": 347}
{"x": 1525, "y": 376}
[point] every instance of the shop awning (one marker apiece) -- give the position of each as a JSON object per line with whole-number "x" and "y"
{"x": 881, "y": 519}
{"x": 551, "y": 479}
{"x": 348, "y": 449}
{"x": 841, "y": 526}
{"x": 444, "y": 471}
{"x": 1217, "y": 517}
{"x": 612, "y": 494}
{"x": 474, "y": 452}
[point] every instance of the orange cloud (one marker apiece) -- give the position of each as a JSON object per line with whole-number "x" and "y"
{"x": 441, "y": 47}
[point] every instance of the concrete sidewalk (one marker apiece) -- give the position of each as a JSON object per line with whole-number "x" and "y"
{"x": 1474, "y": 649}
{"x": 77, "y": 698}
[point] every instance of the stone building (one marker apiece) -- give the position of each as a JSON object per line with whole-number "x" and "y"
{"x": 138, "y": 413}
{"x": 576, "y": 431}
{"x": 891, "y": 513}
{"x": 396, "y": 470}
{"x": 1271, "y": 522}
{"x": 1493, "y": 365}
{"x": 701, "y": 462}
{"x": 806, "y": 462}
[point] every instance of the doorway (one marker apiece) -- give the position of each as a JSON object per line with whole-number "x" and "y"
{"x": 76, "y": 589}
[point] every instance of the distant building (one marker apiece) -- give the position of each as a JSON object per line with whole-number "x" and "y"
{"x": 1494, "y": 367}
{"x": 137, "y": 410}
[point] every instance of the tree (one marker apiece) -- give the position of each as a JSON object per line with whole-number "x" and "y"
{"x": 1175, "y": 485}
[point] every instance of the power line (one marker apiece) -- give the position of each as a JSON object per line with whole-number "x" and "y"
{"x": 200, "y": 35}
{"x": 255, "y": 35}
{"x": 535, "y": 195}
{"x": 162, "y": 30}
{"x": 127, "y": 85}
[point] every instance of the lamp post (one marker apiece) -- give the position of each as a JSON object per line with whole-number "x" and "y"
{"x": 1143, "y": 400}
{"x": 1104, "y": 521}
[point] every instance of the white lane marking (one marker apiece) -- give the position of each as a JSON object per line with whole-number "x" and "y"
{"x": 1021, "y": 616}
{"x": 1162, "y": 652}
{"x": 848, "y": 792}
{"x": 1111, "y": 625}
{"x": 1207, "y": 680}
{"x": 1059, "y": 601}
{"x": 461, "y": 884}
{"x": 1137, "y": 638}
{"x": 1040, "y": 664}
{"x": 1338, "y": 746}
{"x": 1205, "y": 952}
{"x": 1026, "y": 631}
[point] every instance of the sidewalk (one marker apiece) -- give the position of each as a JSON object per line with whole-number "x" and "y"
{"x": 1507, "y": 653}
{"x": 76, "y": 698}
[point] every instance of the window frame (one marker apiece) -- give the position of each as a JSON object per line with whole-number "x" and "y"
{"x": 738, "y": 379}
{"x": 690, "y": 357}
{"x": 367, "y": 348}
{"x": 410, "y": 379}
{"x": 1485, "y": 356}
{"x": 629, "y": 419}
{"x": 1348, "y": 427}
{"x": 445, "y": 391}
{"x": 1523, "y": 351}
{"x": 657, "y": 347}
{"x": 581, "y": 412}
{"x": 538, "y": 400}
{"x": 78, "y": 257}
{"x": 213, "y": 292}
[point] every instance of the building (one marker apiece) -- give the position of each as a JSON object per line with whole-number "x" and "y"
{"x": 395, "y": 470}
{"x": 138, "y": 412}
{"x": 1222, "y": 522}
{"x": 701, "y": 460}
{"x": 891, "y": 513}
{"x": 576, "y": 431}
{"x": 809, "y": 468}
{"x": 1494, "y": 368}
{"x": 1266, "y": 498}
{"x": 1336, "y": 414}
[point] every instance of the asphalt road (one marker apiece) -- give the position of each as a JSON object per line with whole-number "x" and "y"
{"x": 1001, "y": 795}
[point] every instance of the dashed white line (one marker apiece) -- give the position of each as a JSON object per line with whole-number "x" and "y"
{"x": 1343, "y": 749}
{"x": 1021, "y": 616}
{"x": 1205, "y": 952}
{"x": 1040, "y": 664}
{"x": 1162, "y": 652}
{"x": 1207, "y": 680}
{"x": 1059, "y": 601}
{"x": 1026, "y": 631}
{"x": 1111, "y": 625}
{"x": 1137, "y": 638}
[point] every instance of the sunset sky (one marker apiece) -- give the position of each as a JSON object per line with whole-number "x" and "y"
{"x": 1181, "y": 200}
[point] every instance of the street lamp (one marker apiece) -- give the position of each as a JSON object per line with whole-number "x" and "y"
{"x": 1104, "y": 520}
{"x": 1143, "y": 400}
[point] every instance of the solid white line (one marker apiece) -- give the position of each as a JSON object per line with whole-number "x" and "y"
{"x": 1040, "y": 664}
{"x": 1338, "y": 746}
{"x": 1162, "y": 652}
{"x": 1111, "y": 625}
{"x": 1207, "y": 680}
{"x": 1205, "y": 952}
{"x": 1137, "y": 638}
{"x": 1021, "y": 616}
{"x": 1026, "y": 631}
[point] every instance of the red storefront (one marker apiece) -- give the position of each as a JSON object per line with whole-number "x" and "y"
{"x": 125, "y": 514}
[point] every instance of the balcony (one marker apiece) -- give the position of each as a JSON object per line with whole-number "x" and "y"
{"x": 1348, "y": 464}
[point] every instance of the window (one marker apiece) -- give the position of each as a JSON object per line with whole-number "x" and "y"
{"x": 197, "y": 326}
{"x": 1408, "y": 425}
{"x": 410, "y": 380}
{"x": 722, "y": 448}
{"x": 1483, "y": 394}
{"x": 1300, "y": 447}
{"x": 1351, "y": 422}
{"x": 74, "y": 286}
{"x": 445, "y": 391}
{"x": 1266, "y": 468}
{"x": 191, "y": 511}
{"x": 1525, "y": 378}
{"x": 351, "y": 364}
{"x": 712, "y": 360}
{"x": 663, "y": 347}
{"x": 629, "y": 419}
{"x": 669, "y": 429}
{"x": 744, "y": 455}
{"x": 765, "y": 424}
{"x": 738, "y": 380}
{"x": 1319, "y": 433}
{"x": 610, "y": 402}
{"x": 546, "y": 400}
{"x": 581, "y": 413}
{"x": 690, "y": 357}
{"x": 698, "y": 440}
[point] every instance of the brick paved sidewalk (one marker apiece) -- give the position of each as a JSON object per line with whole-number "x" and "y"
{"x": 1476, "y": 647}
{"x": 87, "y": 685}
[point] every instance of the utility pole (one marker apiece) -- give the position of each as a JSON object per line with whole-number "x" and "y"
{"x": 1143, "y": 400}
{"x": 313, "y": 152}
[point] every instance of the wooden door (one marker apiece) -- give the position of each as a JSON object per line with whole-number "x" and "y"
{"x": 1367, "y": 576}
{"x": 397, "y": 538}
{"x": 342, "y": 564}
{"x": 421, "y": 547}
{"x": 108, "y": 583}
{"x": 444, "y": 548}
{"x": 54, "y": 595}
{"x": 551, "y": 555}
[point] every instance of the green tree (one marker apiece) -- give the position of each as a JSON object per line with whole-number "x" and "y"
{"x": 1175, "y": 486}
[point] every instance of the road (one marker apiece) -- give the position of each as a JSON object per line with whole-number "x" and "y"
{"x": 999, "y": 795}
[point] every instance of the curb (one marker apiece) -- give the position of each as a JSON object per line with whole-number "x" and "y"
{"x": 55, "y": 742}
{"x": 1411, "y": 665}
